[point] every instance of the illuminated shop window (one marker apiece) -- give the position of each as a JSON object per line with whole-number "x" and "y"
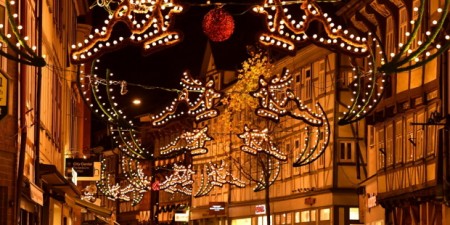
{"x": 354, "y": 213}
{"x": 324, "y": 214}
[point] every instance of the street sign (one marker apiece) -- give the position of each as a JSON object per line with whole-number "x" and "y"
{"x": 3, "y": 96}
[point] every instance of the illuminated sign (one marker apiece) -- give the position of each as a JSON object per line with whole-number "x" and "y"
{"x": 182, "y": 216}
{"x": 217, "y": 208}
{"x": 260, "y": 209}
{"x": 84, "y": 167}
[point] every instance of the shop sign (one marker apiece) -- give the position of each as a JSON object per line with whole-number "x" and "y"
{"x": 371, "y": 200}
{"x": 217, "y": 208}
{"x": 3, "y": 96}
{"x": 260, "y": 209}
{"x": 84, "y": 167}
{"x": 182, "y": 216}
{"x": 36, "y": 194}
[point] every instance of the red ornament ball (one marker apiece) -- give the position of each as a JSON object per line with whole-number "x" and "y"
{"x": 218, "y": 25}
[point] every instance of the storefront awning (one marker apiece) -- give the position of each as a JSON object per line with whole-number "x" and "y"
{"x": 52, "y": 177}
{"x": 93, "y": 208}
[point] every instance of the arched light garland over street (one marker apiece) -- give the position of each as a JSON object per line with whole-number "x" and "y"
{"x": 192, "y": 141}
{"x": 179, "y": 181}
{"x": 202, "y": 108}
{"x": 17, "y": 47}
{"x": 150, "y": 23}
{"x": 216, "y": 175}
{"x": 274, "y": 98}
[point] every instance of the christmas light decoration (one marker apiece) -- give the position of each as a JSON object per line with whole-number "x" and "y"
{"x": 274, "y": 98}
{"x": 259, "y": 141}
{"x": 135, "y": 185}
{"x": 218, "y": 25}
{"x": 180, "y": 181}
{"x": 192, "y": 141}
{"x": 89, "y": 193}
{"x": 256, "y": 141}
{"x": 216, "y": 175}
{"x": 20, "y": 51}
{"x": 287, "y": 30}
{"x": 201, "y": 108}
{"x": 369, "y": 85}
{"x": 150, "y": 24}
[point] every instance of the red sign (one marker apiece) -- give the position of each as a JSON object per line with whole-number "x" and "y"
{"x": 155, "y": 185}
{"x": 260, "y": 209}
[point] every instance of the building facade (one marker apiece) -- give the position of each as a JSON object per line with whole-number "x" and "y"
{"x": 41, "y": 112}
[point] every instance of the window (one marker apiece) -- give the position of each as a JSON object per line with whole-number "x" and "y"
{"x": 321, "y": 159}
{"x": 324, "y": 214}
{"x": 380, "y": 148}
{"x": 389, "y": 144}
{"x": 409, "y": 146}
{"x": 354, "y": 213}
{"x": 415, "y": 15}
{"x": 389, "y": 37}
{"x": 403, "y": 25}
{"x": 308, "y": 83}
{"x": 399, "y": 141}
{"x": 346, "y": 151}
{"x": 370, "y": 135}
{"x": 322, "y": 80}
{"x": 297, "y": 87}
{"x": 262, "y": 220}
{"x": 419, "y": 134}
{"x": 305, "y": 216}
{"x": 313, "y": 215}
{"x": 297, "y": 217}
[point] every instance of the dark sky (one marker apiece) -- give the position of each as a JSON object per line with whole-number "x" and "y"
{"x": 164, "y": 68}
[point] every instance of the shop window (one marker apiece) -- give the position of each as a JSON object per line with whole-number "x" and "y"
{"x": 313, "y": 215}
{"x": 354, "y": 213}
{"x": 325, "y": 214}
{"x": 262, "y": 220}
{"x": 305, "y": 216}
{"x": 297, "y": 217}
{"x": 389, "y": 144}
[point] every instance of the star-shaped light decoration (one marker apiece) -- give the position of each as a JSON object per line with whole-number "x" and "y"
{"x": 274, "y": 97}
{"x": 180, "y": 181}
{"x": 216, "y": 175}
{"x": 150, "y": 23}
{"x": 287, "y": 29}
{"x": 202, "y": 107}
{"x": 192, "y": 141}
{"x": 256, "y": 141}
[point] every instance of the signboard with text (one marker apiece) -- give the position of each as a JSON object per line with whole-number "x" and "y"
{"x": 83, "y": 167}
{"x": 217, "y": 208}
{"x": 260, "y": 209}
{"x": 3, "y": 96}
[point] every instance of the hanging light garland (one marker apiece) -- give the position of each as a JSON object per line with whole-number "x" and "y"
{"x": 201, "y": 108}
{"x": 218, "y": 25}
{"x": 192, "y": 141}
{"x": 216, "y": 175}
{"x": 150, "y": 24}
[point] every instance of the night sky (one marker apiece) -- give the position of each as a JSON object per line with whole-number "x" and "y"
{"x": 164, "y": 68}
